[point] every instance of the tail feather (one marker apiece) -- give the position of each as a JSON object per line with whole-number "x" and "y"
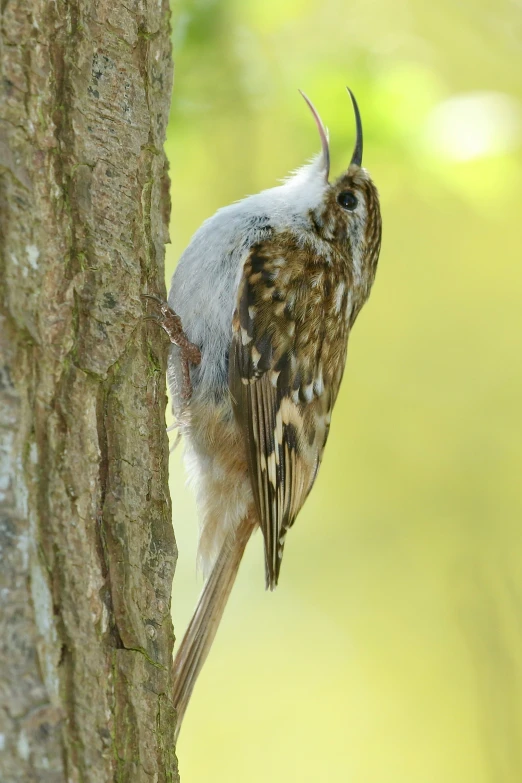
{"x": 200, "y": 634}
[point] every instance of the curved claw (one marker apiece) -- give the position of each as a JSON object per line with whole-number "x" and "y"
{"x": 170, "y": 322}
{"x": 154, "y": 297}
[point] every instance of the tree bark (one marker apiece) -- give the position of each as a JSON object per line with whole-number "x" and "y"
{"x": 86, "y": 543}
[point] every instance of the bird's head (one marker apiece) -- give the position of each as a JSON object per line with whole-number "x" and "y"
{"x": 345, "y": 212}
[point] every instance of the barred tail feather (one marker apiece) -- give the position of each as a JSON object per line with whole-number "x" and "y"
{"x": 202, "y": 629}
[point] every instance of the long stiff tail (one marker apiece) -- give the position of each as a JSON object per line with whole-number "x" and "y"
{"x": 200, "y": 634}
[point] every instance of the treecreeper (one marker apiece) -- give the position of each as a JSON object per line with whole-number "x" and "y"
{"x": 260, "y": 310}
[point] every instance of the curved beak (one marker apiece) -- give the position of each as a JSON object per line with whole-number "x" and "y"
{"x": 358, "y": 149}
{"x": 323, "y": 134}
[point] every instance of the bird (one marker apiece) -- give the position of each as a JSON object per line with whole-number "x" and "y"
{"x": 259, "y": 313}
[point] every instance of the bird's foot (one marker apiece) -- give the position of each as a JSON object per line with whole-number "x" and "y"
{"x": 170, "y": 322}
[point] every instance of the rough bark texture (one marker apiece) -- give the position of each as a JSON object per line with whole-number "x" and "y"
{"x": 86, "y": 544}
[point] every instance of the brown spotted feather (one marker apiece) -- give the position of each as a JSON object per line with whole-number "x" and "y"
{"x": 287, "y": 358}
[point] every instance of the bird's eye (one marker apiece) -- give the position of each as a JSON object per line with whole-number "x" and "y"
{"x": 347, "y": 200}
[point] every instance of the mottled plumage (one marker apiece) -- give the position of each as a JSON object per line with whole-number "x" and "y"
{"x": 268, "y": 291}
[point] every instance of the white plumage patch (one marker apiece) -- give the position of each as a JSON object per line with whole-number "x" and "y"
{"x": 339, "y": 293}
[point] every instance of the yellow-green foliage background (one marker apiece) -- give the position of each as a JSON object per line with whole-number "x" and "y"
{"x": 392, "y": 650}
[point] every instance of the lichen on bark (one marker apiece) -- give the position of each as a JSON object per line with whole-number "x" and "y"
{"x": 86, "y": 542}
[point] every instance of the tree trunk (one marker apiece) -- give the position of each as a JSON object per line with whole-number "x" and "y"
{"x": 86, "y": 543}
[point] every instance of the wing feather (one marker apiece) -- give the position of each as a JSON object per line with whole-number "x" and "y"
{"x": 283, "y": 381}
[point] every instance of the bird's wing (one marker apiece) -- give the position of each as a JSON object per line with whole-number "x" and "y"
{"x": 287, "y": 357}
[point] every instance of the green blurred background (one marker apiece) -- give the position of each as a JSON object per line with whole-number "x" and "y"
{"x": 392, "y": 650}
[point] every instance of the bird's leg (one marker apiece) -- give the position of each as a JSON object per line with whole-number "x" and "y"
{"x": 170, "y": 322}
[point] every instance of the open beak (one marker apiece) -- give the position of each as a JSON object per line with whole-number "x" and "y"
{"x": 323, "y": 134}
{"x": 358, "y": 149}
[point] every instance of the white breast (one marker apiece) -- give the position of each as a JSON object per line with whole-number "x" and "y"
{"x": 204, "y": 286}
